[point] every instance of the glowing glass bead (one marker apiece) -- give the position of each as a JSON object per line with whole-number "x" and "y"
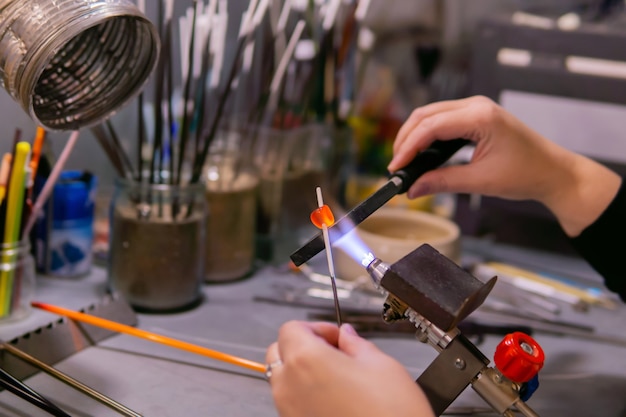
{"x": 322, "y": 215}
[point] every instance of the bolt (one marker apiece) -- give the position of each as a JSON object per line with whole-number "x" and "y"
{"x": 421, "y": 336}
{"x": 459, "y": 363}
{"x": 527, "y": 348}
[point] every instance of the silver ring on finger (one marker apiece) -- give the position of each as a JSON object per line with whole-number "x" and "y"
{"x": 269, "y": 368}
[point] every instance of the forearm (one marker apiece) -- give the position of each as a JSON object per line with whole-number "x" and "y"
{"x": 581, "y": 191}
{"x": 589, "y": 202}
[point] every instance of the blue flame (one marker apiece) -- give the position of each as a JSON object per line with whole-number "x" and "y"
{"x": 352, "y": 244}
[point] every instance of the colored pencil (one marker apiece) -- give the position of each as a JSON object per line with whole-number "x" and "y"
{"x": 13, "y": 220}
{"x": 5, "y": 168}
{"x": 40, "y": 136}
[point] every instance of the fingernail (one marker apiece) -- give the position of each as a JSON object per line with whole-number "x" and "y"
{"x": 347, "y": 327}
{"x": 391, "y": 165}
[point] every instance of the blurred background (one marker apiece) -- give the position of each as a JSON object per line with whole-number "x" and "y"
{"x": 517, "y": 52}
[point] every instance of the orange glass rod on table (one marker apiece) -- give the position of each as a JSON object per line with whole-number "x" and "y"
{"x": 154, "y": 337}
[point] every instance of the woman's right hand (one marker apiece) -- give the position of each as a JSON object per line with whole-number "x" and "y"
{"x": 510, "y": 161}
{"x": 327, "y": 371}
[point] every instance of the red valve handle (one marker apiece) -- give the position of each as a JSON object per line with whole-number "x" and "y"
{"x": 519, "y": 357}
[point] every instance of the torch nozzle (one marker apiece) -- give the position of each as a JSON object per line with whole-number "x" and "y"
{"x": 377, "y": 270}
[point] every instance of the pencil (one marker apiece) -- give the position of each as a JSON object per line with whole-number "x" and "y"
{"x": 153, "y": 337}
{"x": 5, "y": 168}
{"x": 13, "y": 220}
{"x": 15, "y": 197}
{"x": 40, "y": 136}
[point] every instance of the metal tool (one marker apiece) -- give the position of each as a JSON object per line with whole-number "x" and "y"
{"x": 17, "y": 387}
{"x": 399, "y": 182}
{"x": 62, "y": 338}
{"x": 362, "y": 310}
{"x": 96, "y": 395}
{"x": 371, "y": 325}
{"x": 26, "y": 355}
{"x": 435, "y": 294}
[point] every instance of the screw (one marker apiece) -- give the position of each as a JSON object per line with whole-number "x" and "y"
{"x": 459, "y": 363}
{"x": 527, "y": 348}
{"x": 421, "y": 336}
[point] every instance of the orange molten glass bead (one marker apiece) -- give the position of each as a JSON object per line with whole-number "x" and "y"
{"x": 322, "y": 215}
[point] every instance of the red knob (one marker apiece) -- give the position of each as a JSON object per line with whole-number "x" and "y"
{"x": 518, "y": 357}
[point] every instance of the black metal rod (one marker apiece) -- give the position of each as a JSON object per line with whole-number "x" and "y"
{"x": 17, "y": 387}
{"x": 69, "y": 380}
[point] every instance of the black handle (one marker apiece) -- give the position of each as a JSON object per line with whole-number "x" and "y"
{"x": 430, "y": 158}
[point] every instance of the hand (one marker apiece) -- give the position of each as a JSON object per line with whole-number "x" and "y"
{"x": 331, "y": 372}
{"x": 510, "y": 161}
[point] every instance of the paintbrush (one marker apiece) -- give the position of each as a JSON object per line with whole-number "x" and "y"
{"x": 101, "y": 136}
{"x": 162, "y": 67}
{"x": 184, "y": 131}
{"x": 200, "y": 157}
{"x": 117, "y": 146}
{"x": 48, "y": 187}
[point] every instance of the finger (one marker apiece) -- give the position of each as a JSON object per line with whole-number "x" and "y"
{"x": 273, "y": 362}
{"x": 354, "y": 345}
{"x": 453, "y": 124}
{"x": 423, "y": 112}
{"x": 297, "y": 333}
{"x": 452, "y": 179}
{"x": 272, "y": 354}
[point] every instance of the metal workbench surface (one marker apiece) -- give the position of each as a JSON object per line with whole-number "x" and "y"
{"x": 580, "y": 378}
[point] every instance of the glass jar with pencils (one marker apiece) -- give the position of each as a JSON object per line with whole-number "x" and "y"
{"x": 156, "y": 254}
{"x": 17, "y": 280}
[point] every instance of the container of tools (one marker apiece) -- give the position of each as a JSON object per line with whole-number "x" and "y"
{"x": 231, "y": 193}
{"x": 290, "y": 163}
{"x": 156, "y": 254}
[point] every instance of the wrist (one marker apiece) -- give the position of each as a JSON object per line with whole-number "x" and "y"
{"x": 583, "y": 190}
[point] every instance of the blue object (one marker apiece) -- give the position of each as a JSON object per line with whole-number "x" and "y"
{"x": 528, "y": 388}
{"x": 72, "y": 196}
{"x": 64, "y": 233}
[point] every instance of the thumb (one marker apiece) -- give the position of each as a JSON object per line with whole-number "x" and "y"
{"x": 352, "y": 344}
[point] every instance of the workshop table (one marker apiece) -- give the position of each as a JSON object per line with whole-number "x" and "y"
{"x": 580, "y": 377}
